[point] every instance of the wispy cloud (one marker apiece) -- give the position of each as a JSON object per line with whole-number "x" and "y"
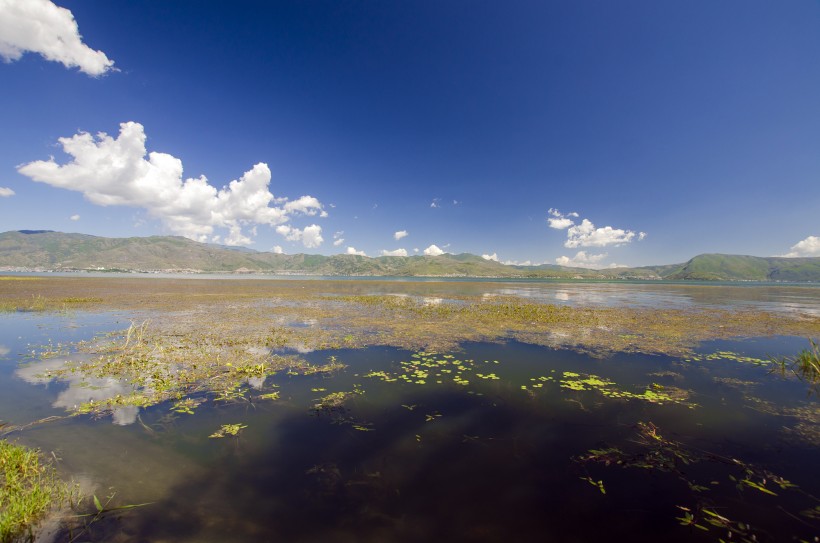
{"x": 39, "y": 26}
{"x": 75, "y": 217}
{"x": 338, "y": 239}
{"x": 6, "y": 192}
{"x": 400, "y": 234}
{"x": 396, "y": 252}
{"x": 115, "y": 172}
{"x": 436, "y": 202}
{"x": 807, "y": 247}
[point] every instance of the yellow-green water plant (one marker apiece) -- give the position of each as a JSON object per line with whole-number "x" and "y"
{"x": 29, "y": 489}
{"x": 229, "y": 430}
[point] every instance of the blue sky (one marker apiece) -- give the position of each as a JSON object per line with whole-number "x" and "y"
{"x": 648, "y": 131}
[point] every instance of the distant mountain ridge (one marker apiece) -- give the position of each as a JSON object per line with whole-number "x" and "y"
{"x": 55, "y": 251}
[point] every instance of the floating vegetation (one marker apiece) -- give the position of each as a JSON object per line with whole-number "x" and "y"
{"x": 143, "y": 369}
{"x": 727, "y": 355}
{"x": 654, "y": 394}
{"x": 340, "y": 317}
{"x": 228, "y": 430}
{"x": 29, "y": 489}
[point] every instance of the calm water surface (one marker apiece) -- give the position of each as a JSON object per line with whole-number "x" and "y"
{"x": 498, "y": 449}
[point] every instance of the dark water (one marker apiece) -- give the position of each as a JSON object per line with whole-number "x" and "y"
{"x": 485, "y": 460}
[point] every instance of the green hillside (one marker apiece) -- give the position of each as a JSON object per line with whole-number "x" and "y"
{"x": 45, "y": 250}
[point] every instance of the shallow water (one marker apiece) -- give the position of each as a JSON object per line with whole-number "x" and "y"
{"x": 491, "y": 452}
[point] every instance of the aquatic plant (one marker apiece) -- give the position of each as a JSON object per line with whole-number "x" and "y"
{"x": 29, "y": 489}
{"x": 658, "y": 453}
{"x": 229, "y": 430}
{"x": 805, "y": 365}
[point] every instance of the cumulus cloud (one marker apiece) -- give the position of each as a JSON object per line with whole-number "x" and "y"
{"x": 560, "y": 223}
{"x": 6, "y": 192}
{"x": 310, "y": 236}
{"x": 558, "y": 220}
{"x": 338, "y": 239}
{"x": 75, "y": 217}
{"x": 586, "y": 234}
{"x": 307, "y": 205}
{"x": 493, "y": 257}
{"x": 400, "y": 234}
{"x": 397, "y": 252}
{"x": 808, "y": 247}
{"x": 582, "y": 260}
{"x": 277, "y": 249}
{"x": 115, "y": 172}
{"x": 433, "y": 250}
{"x": 353, "y": 251}
{"x": 41, "y": 27}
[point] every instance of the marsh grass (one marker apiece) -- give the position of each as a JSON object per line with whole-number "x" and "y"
{"x": 805, "y": 365}
{"x": 30, "y": 489}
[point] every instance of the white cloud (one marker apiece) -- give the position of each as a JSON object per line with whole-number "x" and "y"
{"x": 558, "y": 220}
{"x": 436, "y": 202}
{"x": 582, "y": 260}
{"x": 586, "y": 235}
{"x": 808, "y": 247}
{"x": 353, "y": 251}
{"x": 338, "y": 242}
{"x": 416, "y": 249}
{"x": 400, "y": 234}
{"x": 75, "y": 217}
{"x": 277, "y": 249}
{"x": 307, "y": 205}
{"x": 560, "y": 224}
{"x": 493, "y": 257}
{"x": 310, "y": 236}
{"x": 337, "y": 238}
{"x": 517, "y": 263}
{"x": 433, "y": 251}
{"x": 114, "y": 171}
{"x": 41, "y": 27}
{"x": 397, "y": 252}
{"x": 6, "y": 192}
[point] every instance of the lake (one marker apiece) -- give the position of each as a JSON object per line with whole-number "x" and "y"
{"x": 491, "y": 438}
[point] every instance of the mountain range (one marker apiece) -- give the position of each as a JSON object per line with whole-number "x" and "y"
{"x": 57, "y": 251}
